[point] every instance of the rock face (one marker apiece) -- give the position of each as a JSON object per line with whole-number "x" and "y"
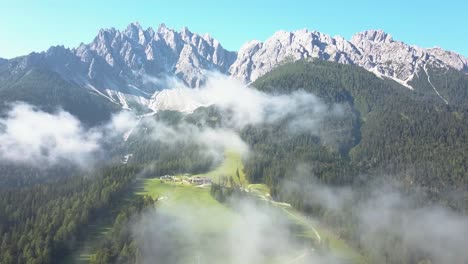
{"x": 129, "y": 67}
{"x": 373, "y": 50}
{"x": 136, "y": 52}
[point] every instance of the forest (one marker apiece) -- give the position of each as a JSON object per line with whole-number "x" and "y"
{"x": 41, "y": 223}
{"x": 386, "y": 133}
{"x": 392, "y": 132}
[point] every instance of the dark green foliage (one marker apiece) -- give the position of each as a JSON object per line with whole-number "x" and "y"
{"x": 119, "y": 245}
{"x": 451, "y": 84}
{"x": 411, "y": 135}
{"x": 48, "y": 91}
{"x": 43, "y": 211}
{"x": 275, "y": 152}
{"x": 15, "y": 175}
{"x": 160, "y": 157}
{"x": 41, "y": 223}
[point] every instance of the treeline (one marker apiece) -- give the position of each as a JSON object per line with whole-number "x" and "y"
{"x": 399, "y": 135}
{"x": 44, "y": 210}
{"x": 15, "y": 175}
{"x": 410, "y": 136}
{"x": 159, "y": 158}
{"x": 450, "y": 83}
{"x": 41, "y": 223}
{"x": 176, "y": 156}
{"x": 222, "y": 193}
{"x": 120, "y": 246}
{"x": 48, "y": 91}
{"x": 276, "y": 153}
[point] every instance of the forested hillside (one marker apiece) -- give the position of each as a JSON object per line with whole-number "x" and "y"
{"x": 370, "y": 130}
{"x": 42, "y": 222}
{"x": 408, "y": 135}
{"x": 48, "y": 91}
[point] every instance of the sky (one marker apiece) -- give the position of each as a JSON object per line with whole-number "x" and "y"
{"x": 28, "y": 25}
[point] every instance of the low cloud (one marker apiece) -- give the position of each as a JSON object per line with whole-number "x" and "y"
{"x": 252, "y": 234}
{"x": 434, "y": 232}
{"x": 250, "y": 106}
{"x": 34, "y": 137}
{"x": 389, "y": 220}
{"x": 249, "y": 234}
{"x": 213, "y": 140}
{"x": 240, "y": 106}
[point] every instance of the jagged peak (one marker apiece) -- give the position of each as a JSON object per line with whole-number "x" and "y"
{"x": 150, "y": 31}
{"x": 162, "y": 28}
{"x": 207, "y": 37}
{"x": 135, "y": 24}
{"x": 58, "y": 49}
{"x": 281, "y": 33}
{"x": 373, "y": 35}
{"x": 186, "y": 30}
{"x": 133, "y": 27}
{"x": 104, "y": 31}
{"x": 135, "y": 32}
{"x": 186, "y": 34}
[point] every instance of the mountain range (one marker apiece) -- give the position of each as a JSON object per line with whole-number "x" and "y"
{"x": 129, "y": 68}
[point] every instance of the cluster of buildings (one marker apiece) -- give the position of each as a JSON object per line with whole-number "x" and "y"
{"x": 195, "y": 180}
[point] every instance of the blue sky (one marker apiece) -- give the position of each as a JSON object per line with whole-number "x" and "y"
{"x": 27, "y": 26}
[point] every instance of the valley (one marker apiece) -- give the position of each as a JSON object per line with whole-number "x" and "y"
{"x": 192, "y": 211}
{"x": 158, "y": 145}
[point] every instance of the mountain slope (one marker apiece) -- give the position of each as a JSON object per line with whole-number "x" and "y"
{"x": 412, "y": 137}
{"x": 127, "y": 67}
{"x": 48, "y": 91}
{"x": 130, "y": 67}
{"x": 373, "y": 50}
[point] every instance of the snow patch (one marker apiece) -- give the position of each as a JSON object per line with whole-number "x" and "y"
{"x": 382, "y": 76}
{"x": 177, "y": 99}
{"x": 128, "y": 133}
{"x": 92, "y": 88}
{"x": 126, "y": 158}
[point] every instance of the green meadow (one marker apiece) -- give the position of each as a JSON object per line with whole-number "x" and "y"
{"x": 210, "y": 216}
{"x": 210, "y": 219}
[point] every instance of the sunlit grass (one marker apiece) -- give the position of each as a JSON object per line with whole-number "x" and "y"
{"x": 231, "y": 167}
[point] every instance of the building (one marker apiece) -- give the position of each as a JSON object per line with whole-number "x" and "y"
{"x": 199, "y": 180}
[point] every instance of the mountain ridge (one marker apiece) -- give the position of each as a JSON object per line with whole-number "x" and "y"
{"x": 129, "y": 67}
{"x": 374, "y": 50}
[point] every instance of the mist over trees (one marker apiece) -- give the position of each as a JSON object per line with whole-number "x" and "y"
{"x": 327, "y": 138}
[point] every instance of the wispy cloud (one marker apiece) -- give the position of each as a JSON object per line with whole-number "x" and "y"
{"x": 34, "y": 137}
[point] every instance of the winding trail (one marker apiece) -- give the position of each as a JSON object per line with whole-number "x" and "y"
{"x": 304, "y": 222}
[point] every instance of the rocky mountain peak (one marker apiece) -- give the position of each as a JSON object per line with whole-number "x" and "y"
{"x": 373, "y": 36}
{"x": 124, "y": 64}
{"x": 116, "y": 59}
{"x": 135, "y": 32}
{"x": 162, "y": 28}
{"x": 374, "y": 50}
